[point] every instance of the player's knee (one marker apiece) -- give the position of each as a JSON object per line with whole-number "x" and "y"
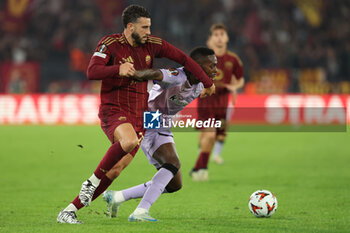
{"x": 170, "y": 167}
{"x": 129, "y": 144}
{"x": 210, "y": 136}
{"x": 177, "y": 164}
{"x": 174, "y": 161}
{"x": 173, "y": 188}
{"x": 221, "y": 138}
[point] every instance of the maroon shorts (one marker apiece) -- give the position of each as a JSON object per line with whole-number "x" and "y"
{"x": 219, "y": 114}
{"x": 111, "y": 121}
{"x": 215, "y": 107}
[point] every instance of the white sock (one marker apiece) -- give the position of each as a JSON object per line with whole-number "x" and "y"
{"x": 218, "y": 148}
{"x": 71, "y": 207}
{"x": 94, "y": 180}
{"x": 118, "y": 196}
{"x": 140, "y": 211}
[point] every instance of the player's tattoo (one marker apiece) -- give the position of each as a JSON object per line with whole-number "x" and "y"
{"x": 149, "y": 74}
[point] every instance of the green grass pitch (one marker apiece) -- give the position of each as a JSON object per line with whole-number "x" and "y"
{"x": 42, "y": 168}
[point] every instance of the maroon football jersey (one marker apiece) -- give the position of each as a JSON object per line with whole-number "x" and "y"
{"x": 122, "y": 94}
{"x": 229, "y": 64}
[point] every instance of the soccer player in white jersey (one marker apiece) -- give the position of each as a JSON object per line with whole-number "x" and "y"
{"x": 173, "y": 90}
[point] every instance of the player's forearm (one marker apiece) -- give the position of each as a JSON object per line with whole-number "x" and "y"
{"x": 149, "y": 74}
{"x": 180, "y": 57}
{"x": 99, "y": 71}
{"x": 238, "y": 84}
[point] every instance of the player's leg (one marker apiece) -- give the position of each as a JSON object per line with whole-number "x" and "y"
{"x": 125, "y": 139}
{"x": 220, "y": 139}
{"x": 167, "y": 157}
{"x": 207, "y": 141}
{"x": 217, "y": 158}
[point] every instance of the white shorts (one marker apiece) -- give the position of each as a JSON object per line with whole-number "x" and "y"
{"x": 152, "y": 140}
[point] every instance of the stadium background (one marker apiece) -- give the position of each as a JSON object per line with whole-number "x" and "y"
{"x": 294, "y": 51}
{"x": 286, "y": 47}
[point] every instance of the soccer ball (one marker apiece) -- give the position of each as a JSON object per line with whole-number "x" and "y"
{"x": 262, "y": 203}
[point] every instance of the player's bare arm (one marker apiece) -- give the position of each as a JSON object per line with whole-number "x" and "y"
{"x": 148, "y": 74}
{"x": 235, "y": 84}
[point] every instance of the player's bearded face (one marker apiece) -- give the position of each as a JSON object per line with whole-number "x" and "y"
{"x": 142, "y": 28}
{"x": 137, "y": 38}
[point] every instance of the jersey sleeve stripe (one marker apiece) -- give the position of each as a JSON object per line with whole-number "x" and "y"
{"x": 107, "y": 40}
{"x": 121, "y": 40}
{"x": 154, "y": 39}
{"x": 155, "y": 43}
{"x": 111, "y": 42}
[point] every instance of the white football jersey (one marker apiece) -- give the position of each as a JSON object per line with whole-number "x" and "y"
{"x": 173, "y": 93}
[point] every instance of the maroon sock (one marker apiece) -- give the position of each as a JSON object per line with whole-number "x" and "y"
{"x": 112, "y": 156}
{"x": 77, "y": 203}
{"x": 202, "y": 161}
{"x": 104, "y": 184}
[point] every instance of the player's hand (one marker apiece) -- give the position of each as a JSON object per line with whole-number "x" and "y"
{"x": 231, "y": 87}
{"x": 208, "y": 91}
{"x": 126, "y": 69}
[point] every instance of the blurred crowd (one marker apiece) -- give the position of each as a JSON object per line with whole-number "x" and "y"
{"x": 289, "y": 34}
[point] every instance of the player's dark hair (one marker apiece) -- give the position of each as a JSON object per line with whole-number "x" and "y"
{"x": 200, "y": 52}
{"x": 217, "y": 26}
{"x": 132, "y": 13}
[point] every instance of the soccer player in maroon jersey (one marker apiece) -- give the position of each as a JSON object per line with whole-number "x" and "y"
{"x": 124, "y": 100}
{"x": 174, "y": 89}
{"x": 229, "y": 78}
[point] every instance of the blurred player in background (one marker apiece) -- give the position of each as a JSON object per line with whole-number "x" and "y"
{"x": 173, "y": 90}
{"x": 124, "y": 100}
{"x": 228, "y": 80}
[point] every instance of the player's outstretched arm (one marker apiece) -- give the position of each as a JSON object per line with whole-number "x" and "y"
{"x": 149, "y": 74}
{"x": 235, "y": 84}
{"x": 171, "y": 52}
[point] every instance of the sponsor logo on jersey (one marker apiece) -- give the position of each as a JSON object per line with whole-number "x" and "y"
{"x": 128, "y": 59}
{"x": 98, "y": 54}
{"x": 219, "y": 75}
{"x": 178, "y": 100}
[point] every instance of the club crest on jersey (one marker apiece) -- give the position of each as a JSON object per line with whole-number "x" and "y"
{"x": 228, "y": 65}
{"x": 148, "y": 60}
{"x": 173, "y": 72}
